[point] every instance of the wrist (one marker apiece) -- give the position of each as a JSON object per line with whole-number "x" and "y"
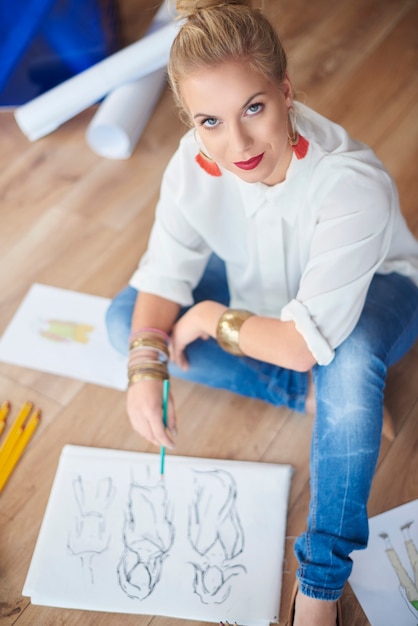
{"x": 209, "y": 313}
{"x": 148, "y": 356}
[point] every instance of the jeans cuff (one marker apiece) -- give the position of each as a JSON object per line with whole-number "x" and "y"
{"x": 319, "y": 594}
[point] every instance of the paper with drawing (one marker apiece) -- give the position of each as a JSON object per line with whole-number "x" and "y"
{"x": 206, "y": 543}
{"x": 63, "y": 332}
{"x": 385, "y": 575}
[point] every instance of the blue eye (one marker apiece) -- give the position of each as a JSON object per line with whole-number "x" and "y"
{"x": 210, "y": 122}
{"x": 254, "y": 108}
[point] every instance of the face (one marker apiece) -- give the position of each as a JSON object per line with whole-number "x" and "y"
{"x": 241, "y": 119}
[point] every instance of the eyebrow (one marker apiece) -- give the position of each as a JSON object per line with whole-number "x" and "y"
{"x": 246, "y": 103}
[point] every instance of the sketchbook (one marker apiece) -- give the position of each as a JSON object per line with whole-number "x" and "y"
{"x": 385, "y": 575}
{"x": 205, "y": 543}
{"x": 64, "y": 332}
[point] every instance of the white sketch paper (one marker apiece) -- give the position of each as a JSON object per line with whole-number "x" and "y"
{"x": 206, "y": 543}
{"x": 385, "y": 575}
{"x": 63, "y": 332}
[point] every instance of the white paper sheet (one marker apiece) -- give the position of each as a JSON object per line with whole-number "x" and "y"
{"x": 385, "y": 575}
{"x": 48, "y": 111}
{"x": 206, "y": 543}
{"x": 121, "y": 118}
{"x": 64, "y": 332}
{"x": 119, "y": 122}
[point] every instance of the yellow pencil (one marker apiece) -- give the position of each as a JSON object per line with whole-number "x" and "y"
{"x": 14, "y": 433}
{"x": 8, "y": 445}
{"x": 19, "y": 448}
{"x": 4, "y": 410}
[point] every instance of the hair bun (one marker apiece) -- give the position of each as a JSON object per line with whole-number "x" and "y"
{"x": 188, "y": 8}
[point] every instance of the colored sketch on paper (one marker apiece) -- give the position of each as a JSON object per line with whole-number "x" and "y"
{"x": 385, "y": 575}
{"x": 63, "y": 332}
{"x": 206, "y": 543}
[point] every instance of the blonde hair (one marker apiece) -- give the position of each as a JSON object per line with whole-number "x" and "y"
{"x": 215, "y": 32}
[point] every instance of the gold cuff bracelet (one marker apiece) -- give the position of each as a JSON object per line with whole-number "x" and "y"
{"x": 228, "y": 329}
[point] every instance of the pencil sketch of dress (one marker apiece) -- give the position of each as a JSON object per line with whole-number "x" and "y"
{"x": 148, "y": 536}
{"x": 408, "y": 586}
{"x": 216, "y": 535}
{"x": 89, "y": 535}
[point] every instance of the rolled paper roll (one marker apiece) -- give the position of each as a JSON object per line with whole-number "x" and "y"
{"x": 119, "y": 122}
{"x": 121, "y": 118}
{"x": 47, "y": 112}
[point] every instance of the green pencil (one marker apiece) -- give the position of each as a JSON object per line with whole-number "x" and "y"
{"x": 166, "y": 388}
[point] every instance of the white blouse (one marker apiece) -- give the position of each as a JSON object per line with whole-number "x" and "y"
{"x": 303, "y": 250}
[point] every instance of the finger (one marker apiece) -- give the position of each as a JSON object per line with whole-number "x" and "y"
{"x": 154, "y": 435}
{"x": 171, "y": 350}
{"x": 175, "y": 353}
{"x": 172, "y": 418}
{"x": 160, "y": 434}
{"x": 183, "y": 362}
{"x": 178, "y": 356}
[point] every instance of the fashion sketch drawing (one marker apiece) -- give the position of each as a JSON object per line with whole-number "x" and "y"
{"x": 214, "y": 533}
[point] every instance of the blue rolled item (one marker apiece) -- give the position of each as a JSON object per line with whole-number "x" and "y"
{"x": 22, "y": 20}
{"x": 44, "y": 42}
{"x": 78, "y": 47}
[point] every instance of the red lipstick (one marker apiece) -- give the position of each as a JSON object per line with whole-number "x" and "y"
{"x": 251, "y": 163}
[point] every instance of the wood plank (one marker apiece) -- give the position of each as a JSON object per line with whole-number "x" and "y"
{"x": 368, "y": 104}
{"x": 325, "y": 55}
{"x": 399, "y": 152}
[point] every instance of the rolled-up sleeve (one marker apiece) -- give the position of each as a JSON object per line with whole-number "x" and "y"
{"x": 351, "y": 238}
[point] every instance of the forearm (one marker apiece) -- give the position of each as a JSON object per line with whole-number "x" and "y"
{"x": 276, "y": 342}
{"x": 155, "y": 312}
{"x": 262, "y": 338}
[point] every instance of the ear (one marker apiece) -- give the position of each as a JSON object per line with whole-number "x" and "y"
{"x": 287, "y": 89}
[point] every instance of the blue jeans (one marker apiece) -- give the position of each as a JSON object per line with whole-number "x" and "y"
{"x": 349, "y": 409}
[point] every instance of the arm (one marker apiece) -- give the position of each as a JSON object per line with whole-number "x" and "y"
{"x": 144, "y": 397}
{"x": 154, "y": 311}
{"x": 276, "y": 342}
{"x": 263, "y": 338}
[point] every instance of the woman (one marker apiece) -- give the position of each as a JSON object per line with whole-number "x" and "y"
{"x": 283, "y": 241}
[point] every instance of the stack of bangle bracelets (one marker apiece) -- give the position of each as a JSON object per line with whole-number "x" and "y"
{"x": 148, "y": 355}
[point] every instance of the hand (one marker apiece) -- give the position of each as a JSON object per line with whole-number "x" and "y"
{"x": 144, "y": 407}
{"x": 199, "y": 322}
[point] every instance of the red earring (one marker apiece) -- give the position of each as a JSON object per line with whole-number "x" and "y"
{"x": 207, "y": 164}
{"x": 204, "y": 160}
{"x": 299, "y": 144}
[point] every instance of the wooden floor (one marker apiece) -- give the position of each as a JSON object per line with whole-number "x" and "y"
{"x": 74, "y": 220}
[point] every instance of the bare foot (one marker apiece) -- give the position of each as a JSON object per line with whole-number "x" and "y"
{"x": 311, "y": 612}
